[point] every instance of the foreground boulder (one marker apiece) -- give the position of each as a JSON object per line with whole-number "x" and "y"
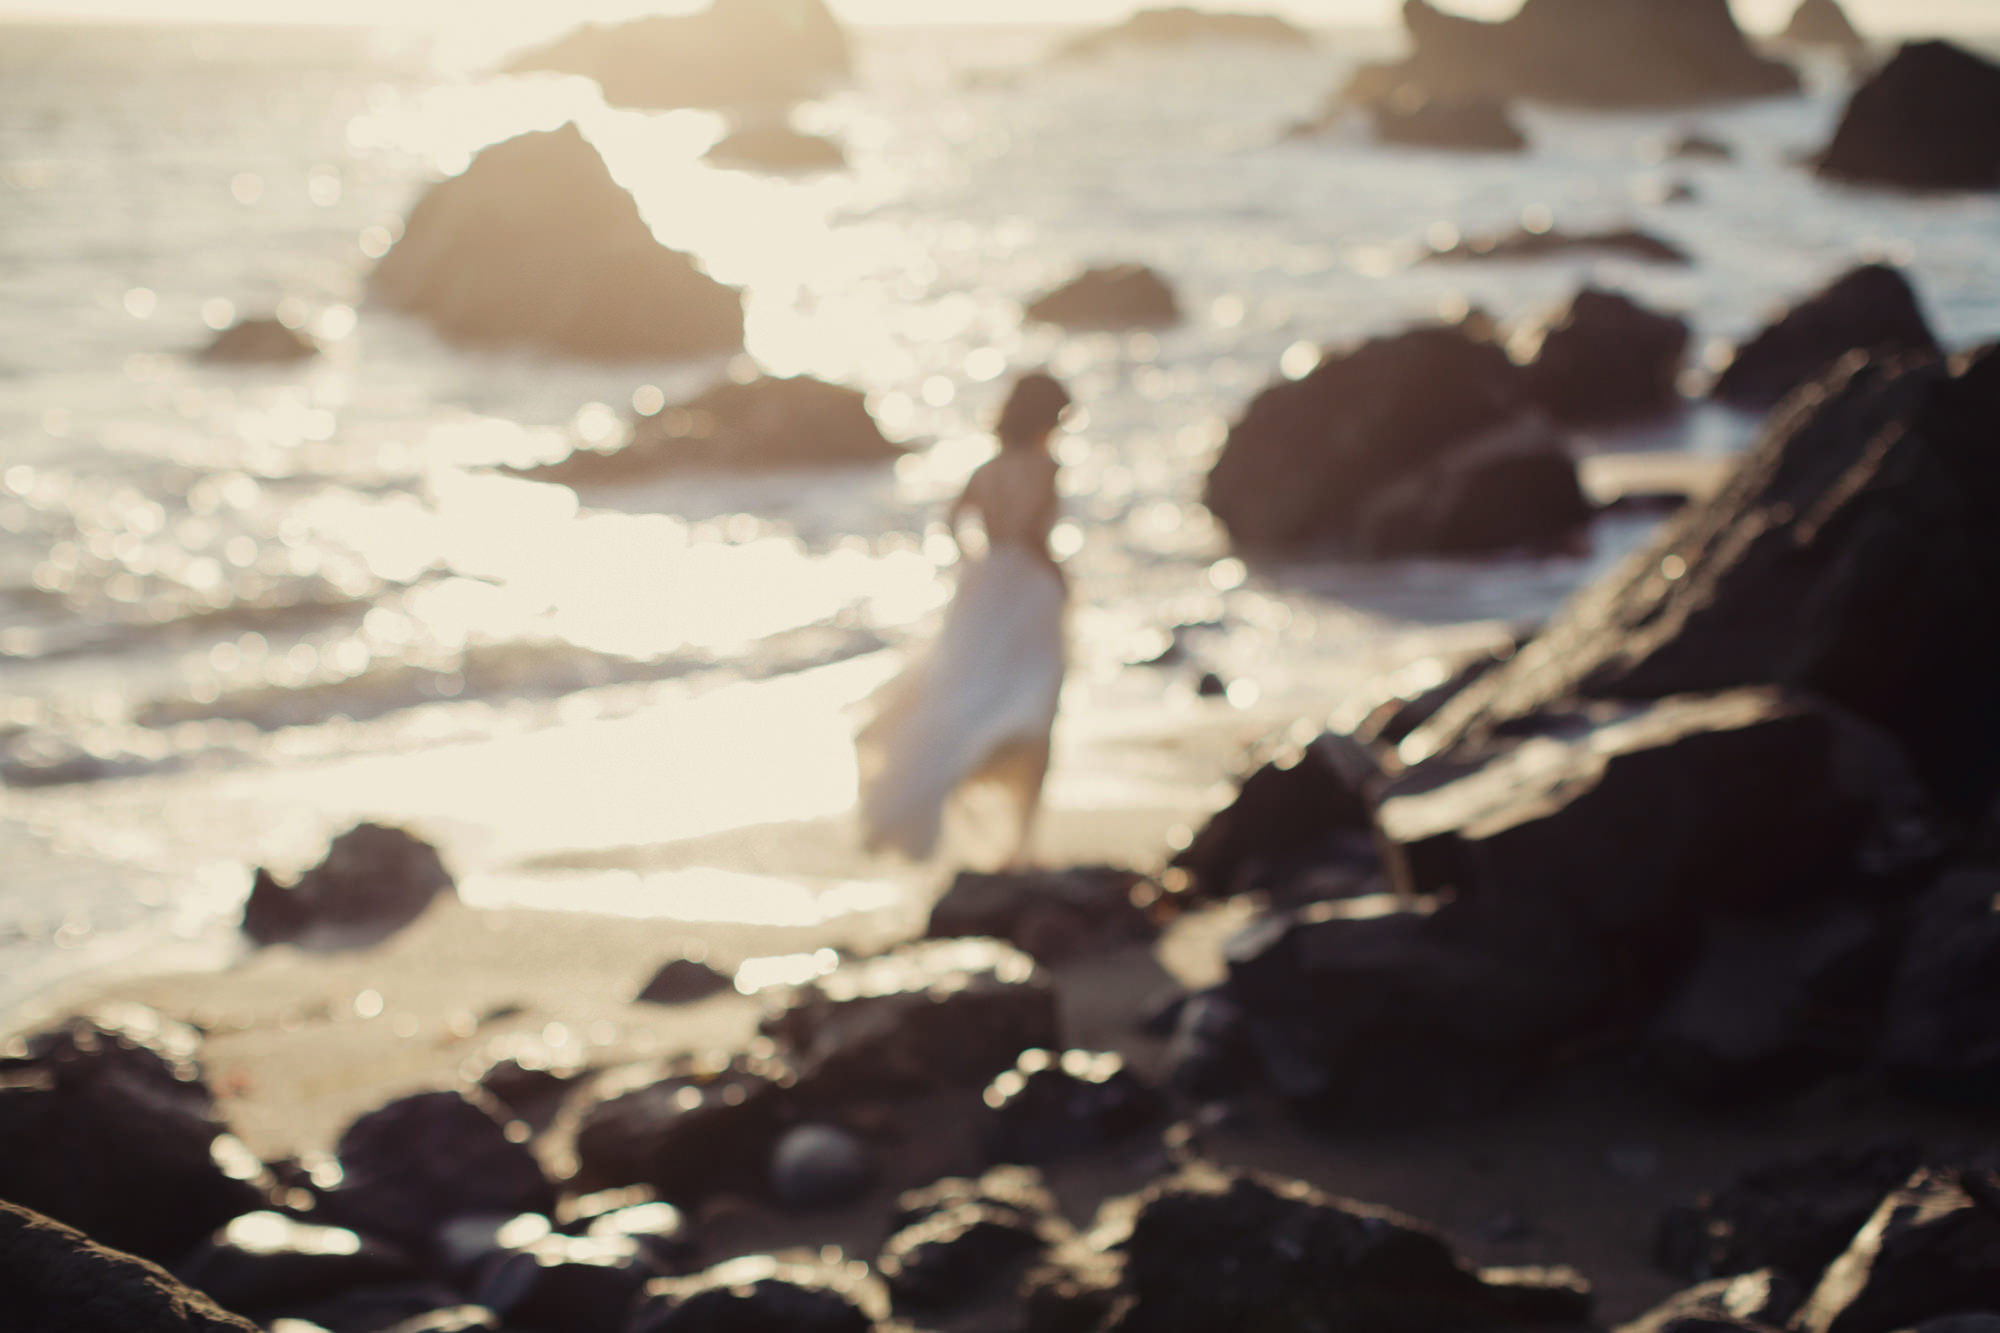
{"x": 1605, "y": 358}
{"x": 759, "y": 1293}
{"x": 1871, "y": 308}
{"x": 732, "y": 53}
{"x": 1778, "y": 581}
{"x": 1207, "y": 1249}
{"x": 1185, "y": 26}
{"x": 1307, "y": 456}
{"x": 536, "y": 244}
{"x": 689, "y": 1127}
{"x": 1765, "y": 1299}
{"x": 57, "y": 1280}
{"x": 112, "y": 1129}
{"x": 777, "y": 148}
{"x": 266, "y": 1265}
{"x": 732, "y": 426}
{"x": 374, "y": 879}
{"x": 1943, "y": 1032}
{"x": 1929, "y": 120}
{"x": 259, "y": 342}
{"x": 1823, "y": 23}
{"x": 1931, "y": 1249}
{"x": 1523, "y": 245}
{"x": 1120, "y": 296}
{"x": 1050, "y": 1106}
{"x": 1602, "y": 53}
{"x": 957, "y": 1241}
{"x": 1307, "y": 808}
{"x": 1510, "y": 490}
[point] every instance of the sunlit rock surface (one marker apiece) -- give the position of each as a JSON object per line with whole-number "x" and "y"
{"x": 55, "y": 1278}
{"x": 536, "y": 244}
{"x": 733, "y": 52}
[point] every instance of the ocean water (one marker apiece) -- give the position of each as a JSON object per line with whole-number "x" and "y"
{"x": 218, "y": 583}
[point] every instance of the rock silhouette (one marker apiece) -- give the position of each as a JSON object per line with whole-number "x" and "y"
{"x": 259, "y": 342}
{"x": 1823, "y": 23}
{"x": 1185, "y": 26}
{"x": 1928, "y": 120}
{"x": 777, "y": 148}
{"x": 1118, "y": 296}
{"x": 1866, "y": 309}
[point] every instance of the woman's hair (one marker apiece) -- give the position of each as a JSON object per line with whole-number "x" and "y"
{"x": 1034, "y": 408}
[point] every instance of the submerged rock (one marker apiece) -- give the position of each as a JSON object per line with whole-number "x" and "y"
{"x": 1823, "y": 23}
{"x": 759, "y": 1293}
{"x": 1871, "y": 308}
{"x": 732, "y": 53}
{"x": 125, "y": 1142}
{"x": 1514, "y": 489}
{"x": 417, "y": 1163}
{"x": 1928, "y": 120}
{"x": 373, "y": 879}
{"x": 1931, "y": 1249}
{"x": 266, "y": 1264}
{"x": 937, "y": 1013}
{"x": 536, "y": 244}
{"x": 1523, "y": 244}
{"x": 688, "y": 1127}
{"x": 59, "y": 1280}
{"x": 259, "y": 342}
{"x": 1415, "y": 119}
{"x": 1602, "y": 53}
{"x": 1186, "y": 26}
{"x": 1605, "y": 358}
{"x": 1050, "y": 1106}
{"x": 1793, "y": 1217}
{"x": 777, "y": 148}
{"x": 1198, "y": 1254}
{"x": 765, "y": 423}
{"x": 1118, "y": 296}
{"x": 1053, "y": 915}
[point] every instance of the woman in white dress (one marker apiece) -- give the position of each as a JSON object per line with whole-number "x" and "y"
{"x": 980, "y": 704}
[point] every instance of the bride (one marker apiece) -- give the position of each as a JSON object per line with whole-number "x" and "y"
{"x": 979, "y": 706}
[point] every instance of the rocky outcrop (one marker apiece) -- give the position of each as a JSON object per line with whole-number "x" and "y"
{"x": 1511, "y": 490}
{"x": 258, "y": 342}
{"x": 1304, "y": 809}
{"x": 126, "y": 1145}
{"x": 1118, "y": 296}
{"x": 732, "y": 53}
{"x": 1185, "y": 26}
{"x": 1823, "y": 23}
{"x": 777, "y": 148}
{"x": 56, "y": 1279}
{"x": 536, "y": 244}
{"x": 373, "y": 880}
{"x": 735, "y": 426}
{"x": 1599, "y": 53}
{"x": 1524, "y": 245}
{"x": 1871, "y": 308}
{"x": 1928, "y": 120}
{"x": 1415, "y": 119}
{"x": 1931, "y": 1249}
{"x": 1604, "y": 358}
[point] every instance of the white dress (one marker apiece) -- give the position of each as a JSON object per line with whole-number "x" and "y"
{"x": 980, "y": 703}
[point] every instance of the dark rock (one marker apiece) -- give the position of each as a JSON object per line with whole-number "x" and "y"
{"x": 1600, "y": 53}
{"x": 259, "y": 342}
{"x": 415, "y": 1164}
{"x": 1932, "y": 1249}
{"x": 1512, "y": 489}
{"x": 1773, "y": 1001}
{"x": 1211, "y": 1056}
{"x": 1014, "y": 1192}
{"x": 777, "y": 148}
{"x": 375, "y": 1309}
{"x": 126, "y": 1144}
{"x": 953, "y": 1256}
{"x": 1209, "y": 1250}
{"x": 1119, "y": 296}
{"x": 1928, "y": 120}
{"x": 759, "y": 1294}
{"x": 1852, "y": 556}
{"x": 464, "y": 1246}
{"x": 58, "y": 1280}
{"x": 1414, "y": 118}
{"x": 1211, "y": 686}
{"x": 530, "y": 1078}
{"x": 458, "y": 1319}
{"x": 733, "y": 53}
{"x": 1871, "y": 308}
{"x": 1700, "y": 146}
{"x": 820, "y": 1166}
{"x": 1823, "y": 23}
{"x": 374, "y": 879}
{"x": 1524, "y": 245}
{"x": 1053, "y": 915}
{"x": 1943, "y": 1033}
{"x": 1051, "y": 1106}
{"x": 1297, "y": 811}
{"x": 766, "y": 423}
{"x": 937, "y": 1013}
{"x": 684, "y": 981}
{"x": 266, "y": 1264}
{"x": 536, "y": 244}
{"x": 1605, "y": 358}
{"x": 1307, "y": 456}
{"x": 569, "y": 1284}
{"x": 689, "y": 1127}
{"x": 660, "y": 1229}
{"x": 1793, "y": 1217}
{"x": 1185, "y": 26}
{"x": 1763, "y": 1300}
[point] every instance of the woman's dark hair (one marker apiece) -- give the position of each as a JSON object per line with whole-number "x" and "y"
{"x": 1034, "y": 408}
